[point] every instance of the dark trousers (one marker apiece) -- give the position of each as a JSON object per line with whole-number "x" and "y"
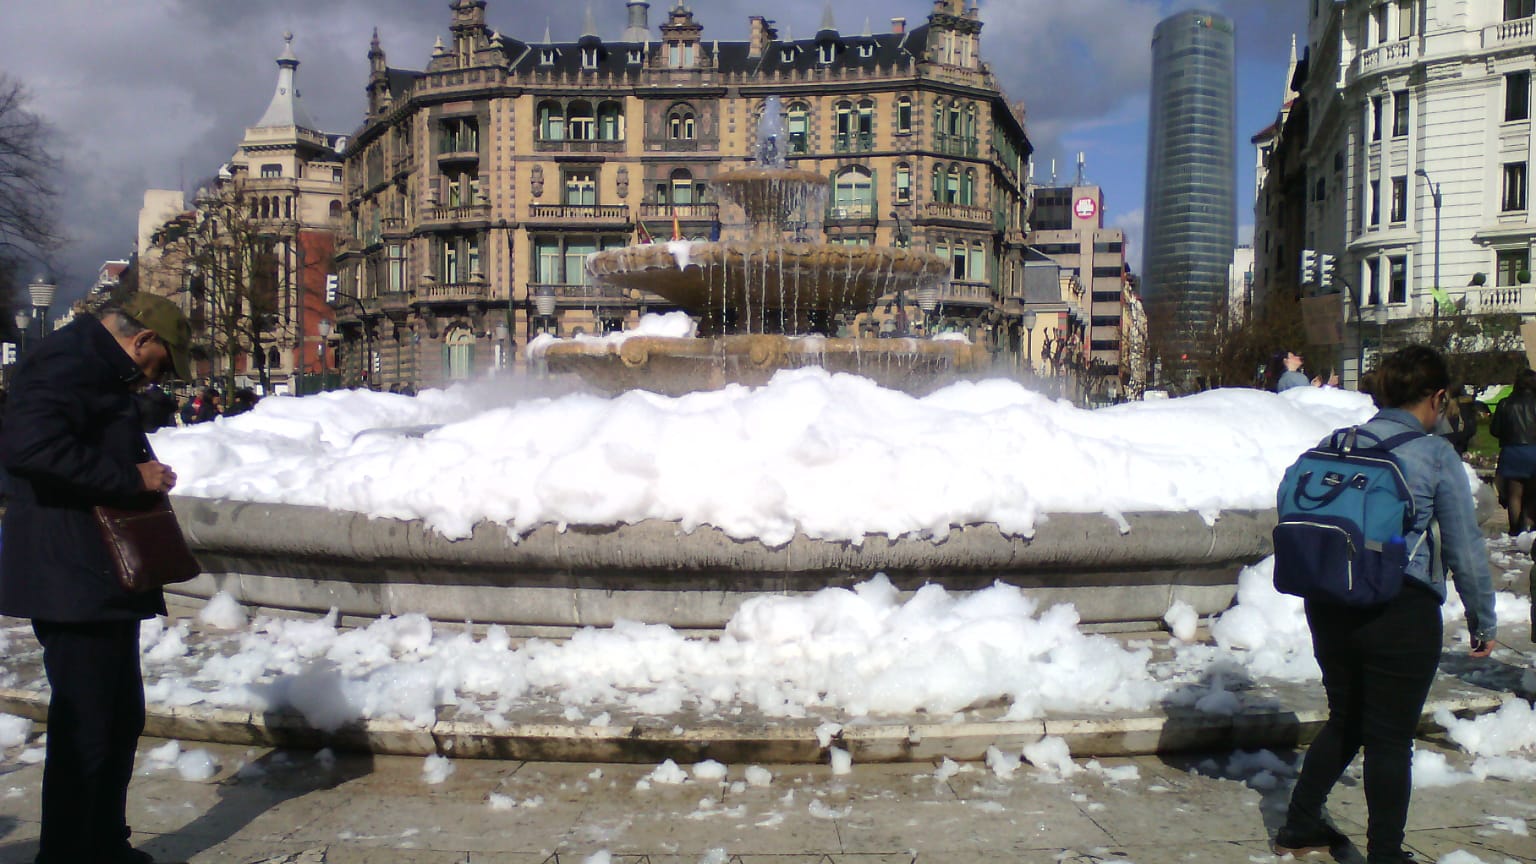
{"x": 95, "y": 716}
{"x": 1377, "y": 666}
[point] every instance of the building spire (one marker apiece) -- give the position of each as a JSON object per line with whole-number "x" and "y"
{"x": 285, "y": 109}
{"x": 826, "y": 17}
{"x": 589, "y": 23}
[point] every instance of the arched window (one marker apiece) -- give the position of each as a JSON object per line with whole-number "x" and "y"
{"x": 551, "y": 121}
{"x": 844, "y": 113}
{"x": 853, "y": 194}
{"x": 579, "y": 121}
{"x": 903, "y": 183}
{"x": 938, "y": 183}
{"x": 274, "y": 358}
{"x": 952, "y": 185}
{"x": 904, "y": 115}
{"x": 867, "y": 117}
{"x": 610, "y": 121}
{"x": 968, "y": 188}
{"x": 970, "y": 121}
{"x": 266, "y": 208}
{"x": 287, "y": 206}
{"x": 976, "y": 271}
{"x": 335, "y": 210}
{"x": 459, "y": 345}
{"x": 682, "y": 186}
{"x": 954, "y": 119}
{"x": 680, "y": 124}
{"x": 798, "y": 124}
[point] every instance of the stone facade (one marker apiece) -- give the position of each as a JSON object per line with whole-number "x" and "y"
{"x": 476, "y": 188}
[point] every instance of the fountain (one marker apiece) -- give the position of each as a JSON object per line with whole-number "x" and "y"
{"x": 770, "y": 294}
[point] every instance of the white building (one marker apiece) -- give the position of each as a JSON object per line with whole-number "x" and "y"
{"x": 1407, "y": 97}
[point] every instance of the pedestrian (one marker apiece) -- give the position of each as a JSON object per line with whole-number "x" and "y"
{"x": 242, "y": 401}
{"x": 157, "y": 408}
{"x": 209, "y": 406}
{"x": 72, "y": 441}
{"x": 1459, "y": 423}
{"x": 1291, "y": 375}
{"x": 1378, "y": 662}
{"x": 1514, "y": 424}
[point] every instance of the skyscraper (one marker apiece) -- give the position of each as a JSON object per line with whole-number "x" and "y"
{"x": 1191, "y": 181}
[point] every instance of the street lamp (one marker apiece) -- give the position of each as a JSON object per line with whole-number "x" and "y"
{"x": 325, "y": 342}
{"x": 1434, "y": 194}
{"x": 23, "y": 321}
{"x": 903, "y": 240}
{"x": 41, "y": 292}
{"x": 1028, "y": 320}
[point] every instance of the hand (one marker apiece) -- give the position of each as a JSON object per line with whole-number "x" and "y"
{"x": 1481, "y": 647}
{"x": 156, "y": 477}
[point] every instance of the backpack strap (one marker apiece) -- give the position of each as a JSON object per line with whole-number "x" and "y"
{"x": 1396, "y": 441}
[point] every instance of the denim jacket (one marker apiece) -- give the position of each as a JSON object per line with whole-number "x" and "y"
{"x": 1438, "y": 481}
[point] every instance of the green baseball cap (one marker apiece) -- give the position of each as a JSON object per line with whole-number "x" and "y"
{"x": 167, "y": 321}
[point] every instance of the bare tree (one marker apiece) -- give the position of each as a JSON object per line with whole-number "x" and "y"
{"x": 27, "y": 226}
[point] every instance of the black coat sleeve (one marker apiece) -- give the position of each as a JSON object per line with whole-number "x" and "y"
{"x": 47, "y": 437}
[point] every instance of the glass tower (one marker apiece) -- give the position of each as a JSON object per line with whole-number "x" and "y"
{"x": 1191, "y": 181}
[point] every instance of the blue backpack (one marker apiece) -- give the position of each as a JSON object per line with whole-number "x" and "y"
{"x": 1344, "y": 510}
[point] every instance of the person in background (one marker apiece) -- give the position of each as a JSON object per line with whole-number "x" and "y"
{"x": 244, "y": 400}
{"x": 73, "y": 441}
{"x": 1514, "y": 424}
{"x": 1458, "y": 424}
{"x": 208, "y": 406}
{"x": 157, "y": 408}
{"x": 1378, "y": 662}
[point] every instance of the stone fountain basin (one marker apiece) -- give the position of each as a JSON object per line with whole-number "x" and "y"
{"x": 677, "y": 366}
{"x": 312, "y": 559}
{"x": 755, "y": 279}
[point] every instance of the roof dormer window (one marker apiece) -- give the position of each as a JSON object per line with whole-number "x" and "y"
{"x": 548, "y": 56}
{"x": 636, "y": 56}
{"x": 866, "y": 51}
{"x": 789, "y": 53}
{"x": 589, "y": 58}
{"x": 826, "y": 52}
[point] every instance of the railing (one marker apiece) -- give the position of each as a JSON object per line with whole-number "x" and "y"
{"x": 966, "y": 292}
{"x": 579, "y": 212}
{"x": 957, "y": 213}
{"x": 851, "y": 210}
{"x": 1510, "y": 298}
{"x": 672, "y": 145}
{"x": 956, "y": 145}
{"x": 575, "y": 295}
{"x": 392, "y": 225}
{"x": 470, "y": 213}
{"x": 1388, "y": 56}
{"x": 458, "y": 148}
{"x": 460, "y": 78}
{"x": 544, "y": 145}
{"x": 855, "y": 143}
{"x": 447, "y": 291}
{"x": 685, "y": 212}
{"x": 1510, "y": 34}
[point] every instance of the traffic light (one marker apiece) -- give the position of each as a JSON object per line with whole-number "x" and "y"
{"x": 1325, "y": 266}
{"x": 1308, "y": 266}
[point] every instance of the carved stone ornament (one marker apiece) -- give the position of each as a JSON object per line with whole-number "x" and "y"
{"x": 623, "y": 181}
{"x": 537, "y": 182}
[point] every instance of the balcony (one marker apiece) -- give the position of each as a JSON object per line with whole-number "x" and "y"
{"x": 863, "y": 142}
{"x": 672, "y": 145}
{"x": 966, "y": 294}
{"x": 1386, "y": 58}
{"x": 393, "y": 227}
{"x": 390, "y": 301}
{"x": 1503, "y": 300}
{"x": 579, "y": 214}
{"x": 458, "y": 149}
{"x": 473, "y": 213}
{"x": 956, "y": 145}
{"x": 851, "y": 211}
{"x": 579, "y": 296}
{"x": 1520, "y": 33}
{"x": 564, "y": 146}
{"x": 685, "y": 212}
{"x": 452, "y": 292}
{"x": 962, "y": 213}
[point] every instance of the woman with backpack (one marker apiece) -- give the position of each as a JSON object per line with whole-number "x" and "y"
{"x": 1378, "y": 661}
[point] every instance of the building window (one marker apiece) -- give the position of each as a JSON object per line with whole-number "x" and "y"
{"x": 1399, "y": 199}
{"x": 1377, "y": 106}
{"x": 460, "y": 136}
{"x": 546, "y": 261}
{"x": 1373, "y": 281}
{"x": 551, "y": 121}
{"x": 853, "y": 194}
{"x": 1514, "y": 186}
{"x": 788, "y": 55}
{"x": 1400, "y": 113}
{"x": 460, "y": 348}
{"x": 1511, "y": 263}
{"x": 1320, "y": 191}
{"x": 866, "y": 118}
{"x": 903, "y": 183}
{"x": 449, "y": 263}
{"x": 589, "y": 58}
{"x": 610, "y": 121}
{"x": 1380, "y": 14}
{"x": 396, "y": 275}
{"x": 579, "y": 122}
{"x": 866, "y": 51}
{"x": 1516, "y": 9}
{"x": 1375, "y": 202}
{"x": 952, "y": 185}
{"x": 826, "y": 52}
{"x": 463, "y": 188}
{"x": 271, "y": 170}
{"x": 1406, "y": 18}
{"x": 680, "y": 125}
{"x": 1517, "y": 96}
{"x": 576, "y": 254}
{"x": 977, "y": 266}
{"x": 548, "y": 56}
{"x": 1397, "y": 289}
{"x": 581, "y": 187}
{"x": 682, "y": 186}
{"x": 636, "y": 56}
{"x": 904, "y": 115}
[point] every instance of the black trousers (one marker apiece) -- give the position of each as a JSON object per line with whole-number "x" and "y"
{"x": 1378, "y": 665}
{"x": 95, "y": 717}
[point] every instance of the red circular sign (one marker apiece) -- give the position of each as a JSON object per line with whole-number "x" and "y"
{"x": 1086, "y": 208}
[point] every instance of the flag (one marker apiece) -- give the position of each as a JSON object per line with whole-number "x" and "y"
{"x": 642, "y": 234}
{"x": 677, "y": 230}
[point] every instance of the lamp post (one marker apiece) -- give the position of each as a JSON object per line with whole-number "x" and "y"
{"x": 324, "y": 327}
{"x": 23, "y": 321}
{"x": 1028, "y": 320}
{"x": 1434, "y": 195}
{"x": 41, "y": 293}
{"x": 903, "y": 240}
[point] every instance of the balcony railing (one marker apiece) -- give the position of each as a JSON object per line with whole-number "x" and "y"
{"x": 1510, "y": 34}
{"x": 393, "y": 225}
{"x": 958, "y": 213}
{"x": 452, "y": 148}
{"x": 956, "y": 145}
{"x": 579, "y": 213}
{"x": 577, "y": 295}
{"x": 1510, "y": 298}
{"x": 851, "y": 210}
{"x": 685, "y": 212}
{"x": 452, "y": 291}
{"x": 862, "y": 142}
{"x": 544, "y": 145}
{"x": 672, "y": 145}
{"x": 468, "y": 213}
{"x": 966, "y": 292}
{"x": 1389, "y": 56}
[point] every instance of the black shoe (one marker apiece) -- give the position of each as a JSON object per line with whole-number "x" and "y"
{"x": 1324, "y": 838}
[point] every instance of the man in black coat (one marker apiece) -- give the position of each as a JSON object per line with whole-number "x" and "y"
{"x": 72, "y": 440}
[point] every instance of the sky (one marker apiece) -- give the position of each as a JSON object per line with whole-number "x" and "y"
{"x": 156, "y": 93}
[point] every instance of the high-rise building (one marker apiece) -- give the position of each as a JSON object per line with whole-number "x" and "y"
{"x": 1191, "y": 211}
{"x": 1067, "y": 224}
{"x": 477, "y": 187}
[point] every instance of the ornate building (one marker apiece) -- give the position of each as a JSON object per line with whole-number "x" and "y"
{"x": 477, "y": 188}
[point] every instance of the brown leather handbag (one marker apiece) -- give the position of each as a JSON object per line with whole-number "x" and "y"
{"x": 146, "y": 544}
